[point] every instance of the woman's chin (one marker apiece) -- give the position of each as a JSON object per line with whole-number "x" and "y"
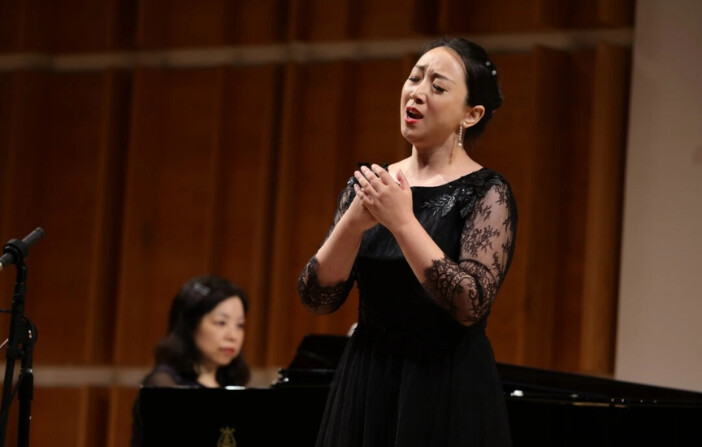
{"x": 224, "y": 361}
{"x": 410, "y": 135}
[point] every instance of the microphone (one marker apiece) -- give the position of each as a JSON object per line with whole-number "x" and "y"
{"x": 15, "y": 250}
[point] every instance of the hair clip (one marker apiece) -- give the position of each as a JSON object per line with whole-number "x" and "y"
{"x": 488, "y": 64}
{"x": 201, "y": 289}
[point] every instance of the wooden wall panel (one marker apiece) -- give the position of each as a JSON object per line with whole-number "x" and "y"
{"x": 563, "y": 276}
{"x": 93, "y": 416}
{"x": 89, "y": 26}
{"x": 175, "y": 23}
{"x": 504, "y": 16}
{"x": 24, "y": 91}
{"x": 18, "y": 25}
{"x": 119, "y": 421}
{"x": 257, "y": 21}
{"x": 524, "y": 144}
{"x": 574, "y": 168}
{"x": 7, "y": 181}
{"x": 508, "y": 146}
{"x": 545, "y": 207}
{"x": 314, "y": 125}
{"x": 551, "y": 13}
{"x": 105, "y": 244}
{"x": 62, "y": 417}
{"x": 590, "y": 14}
{"x": 72, "y": 26}
{"x": 57, "y": 144}
{"x": 460, "y": 16}
{"x": 383, "y": 20}
{"x": 170, "y": 196}
{"x": 6, "y": 92}
{"x": 362, "y": 77}
{"x": 320, "y": 20}
{"x": 237, "y": 170}
{"x": 66, "y": 205}
{"x": 250, "y": 132}
{"x": 184, "y": 23}
{"x": 378, "y": 112}
{"x": 68, "y": 26}
{"x": 21, "y": 95}
{"x": 616, "y": 12}
{"x": 10, "y": 14}
{"x": 604, "y": 208}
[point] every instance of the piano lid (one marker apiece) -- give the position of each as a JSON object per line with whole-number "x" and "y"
{"x": 546, "y": 408}
{"x": 317, "y": 355}
{"x": 523, "y": 381}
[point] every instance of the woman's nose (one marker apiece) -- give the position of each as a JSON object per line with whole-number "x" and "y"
{"x": 231, "y": 333}
{"x": 416, "y": 94}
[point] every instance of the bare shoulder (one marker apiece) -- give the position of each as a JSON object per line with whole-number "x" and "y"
{"x": 398, "y": 165}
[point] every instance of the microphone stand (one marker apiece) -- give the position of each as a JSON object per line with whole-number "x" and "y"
{"x": 21, "y": 340}
{"x": 25, "y": 384}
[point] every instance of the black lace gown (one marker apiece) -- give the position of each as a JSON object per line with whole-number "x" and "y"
{"x": 419, "y": 369}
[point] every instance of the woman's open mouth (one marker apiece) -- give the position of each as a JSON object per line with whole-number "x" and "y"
{"x": 412, "y": 115}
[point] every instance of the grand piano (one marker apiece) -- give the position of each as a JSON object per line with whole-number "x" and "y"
{"x": 546, "y": 408}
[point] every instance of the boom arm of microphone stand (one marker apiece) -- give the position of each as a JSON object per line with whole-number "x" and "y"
{"x": 21, "y": 338}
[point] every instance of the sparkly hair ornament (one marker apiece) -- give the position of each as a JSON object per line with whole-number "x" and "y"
{"x": 488, "y": 64}
{"x": 201, "y": 289}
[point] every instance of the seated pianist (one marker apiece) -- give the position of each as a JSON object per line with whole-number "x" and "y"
{"x": 202, "y": 348}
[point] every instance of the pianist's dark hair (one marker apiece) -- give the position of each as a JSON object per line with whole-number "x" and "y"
{"x": 196, "y": 298}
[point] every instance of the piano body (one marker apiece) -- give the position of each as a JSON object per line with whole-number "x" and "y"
{"x": 546, "y": 408}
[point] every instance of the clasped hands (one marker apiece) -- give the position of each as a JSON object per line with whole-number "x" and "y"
{"x": 389, "y": 202}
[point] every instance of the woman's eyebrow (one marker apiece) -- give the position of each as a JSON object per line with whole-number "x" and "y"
{"x": 436, "y": 75}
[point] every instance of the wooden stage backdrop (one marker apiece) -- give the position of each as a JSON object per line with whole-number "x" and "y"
{"x": 157, "y": 140}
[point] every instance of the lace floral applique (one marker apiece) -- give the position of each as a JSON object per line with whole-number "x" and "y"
{"x": 464, "y": 195}
{"x": 315, "y": 296}
{"x": 445, "y": 281}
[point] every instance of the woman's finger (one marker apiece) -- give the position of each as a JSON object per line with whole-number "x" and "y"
{"x": 362, "y": 194}
{"x": 366, "y": 185}
{"x": 402, "y": 180}
{"x": 370, "y": 175}
{"x": 382, "y": 174}
{"x": 362, "y": 180}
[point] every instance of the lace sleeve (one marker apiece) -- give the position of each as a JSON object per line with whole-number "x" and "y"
{"x": 468, "y": 288}
{"x": 326, "y": 299}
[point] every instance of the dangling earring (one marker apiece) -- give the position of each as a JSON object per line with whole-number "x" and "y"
{"x": 460, "y": 135}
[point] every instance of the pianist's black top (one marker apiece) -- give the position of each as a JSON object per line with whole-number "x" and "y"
{"x": 419, "y": 369}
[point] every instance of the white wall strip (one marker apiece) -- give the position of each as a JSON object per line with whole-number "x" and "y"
{"x": 78, "y": 376}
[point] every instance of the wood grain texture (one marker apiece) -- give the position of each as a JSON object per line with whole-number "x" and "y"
{"x": 604, "y": 209}
{"x": 251, "y": 128}
{"x": 170, "y": 200}
{"x": 60, "y": 127}
{"x": 145, "y": 177}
